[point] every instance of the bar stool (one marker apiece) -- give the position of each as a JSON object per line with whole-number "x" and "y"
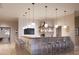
{"x": 53, "y": 48}
{"x": 49, "y": 48}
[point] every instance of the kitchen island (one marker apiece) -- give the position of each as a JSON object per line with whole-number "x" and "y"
{"x": 48, "y": 45}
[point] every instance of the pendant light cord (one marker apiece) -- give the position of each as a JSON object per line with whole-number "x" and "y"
{"x": 33, "y": 11}
{"x": 46, "y": 12}
{"x": 64, "y": 14}
{"x": 29, "y": 13}
{"x": 56, "y": 13}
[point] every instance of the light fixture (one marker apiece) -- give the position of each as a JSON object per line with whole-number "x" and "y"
{"x": 56, "y": 26}
{"x": 64, "y": 26}
{"x": 33, "y": 23}
{"x": 41, "y": 30}
{"x": 24, "y": 27}
{"x": 29, "y": 26}
{"x": 64, "y": 19}
{"x": 46, "y": 25}
{"x": 29, "y": 13}
{"x": 25, "y": 14}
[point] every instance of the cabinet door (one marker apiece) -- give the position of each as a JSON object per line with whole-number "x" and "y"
{"x": 36, "y": 47}
{"x": 49, "y": 49}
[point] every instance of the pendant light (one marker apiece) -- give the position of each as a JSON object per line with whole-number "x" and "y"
{"x": 46, "y": 25}
{"x": 25, "y": 15}
{"x": 33, "y": 14}
{"x": 64, "y": 19}
{"x": 56, "y": 26}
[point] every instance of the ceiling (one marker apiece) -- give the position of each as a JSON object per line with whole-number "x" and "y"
{"x": 12, "y": 11}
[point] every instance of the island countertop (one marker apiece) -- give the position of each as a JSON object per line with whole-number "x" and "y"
{"x": 38, "y": 37}
{"x": 31, "y": 37}
{"x": 45, "y": 45}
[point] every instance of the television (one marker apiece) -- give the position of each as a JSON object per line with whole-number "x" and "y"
{"x": 29, "y": 31}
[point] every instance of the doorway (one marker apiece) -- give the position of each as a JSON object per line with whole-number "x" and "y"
{"x": 5, "y": 33}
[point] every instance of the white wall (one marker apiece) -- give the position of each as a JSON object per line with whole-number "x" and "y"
{"x": 23, "y": 22}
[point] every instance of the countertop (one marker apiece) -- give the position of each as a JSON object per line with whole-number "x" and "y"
{"x": 38, "y": 37}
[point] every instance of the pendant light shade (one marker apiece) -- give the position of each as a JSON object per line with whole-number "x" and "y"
{"x": 33, "y": 23}
{"x": 46, "y": 25}
{"x": 56, "y": 26}
{"x": 64, "y": 26}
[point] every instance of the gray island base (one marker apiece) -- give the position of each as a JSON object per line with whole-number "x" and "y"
{"x": 48, "y": 45}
